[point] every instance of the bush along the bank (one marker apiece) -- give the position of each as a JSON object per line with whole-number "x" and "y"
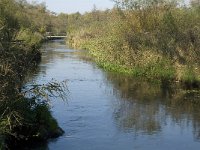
{"x": 23, "y": 119}
{"x": 30, "y": 38}
{"x": 158, "y": 40}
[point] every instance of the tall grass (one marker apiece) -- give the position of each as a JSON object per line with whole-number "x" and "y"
{"x": 155, "y": 41}
{"x": 25, "y": 114}
{"x": 22, "y": 119}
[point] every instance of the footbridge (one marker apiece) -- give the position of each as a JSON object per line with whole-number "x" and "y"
{"x": 55, "y": 37}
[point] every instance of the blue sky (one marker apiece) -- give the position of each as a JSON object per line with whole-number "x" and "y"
{"x": 71, "y": 6}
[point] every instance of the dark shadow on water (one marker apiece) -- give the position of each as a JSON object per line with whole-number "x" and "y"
{"x": 34, "y": 146}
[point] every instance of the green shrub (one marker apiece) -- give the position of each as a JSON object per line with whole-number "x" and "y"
{"x": 31, "y": 39}
{"x": 154, "y": 42}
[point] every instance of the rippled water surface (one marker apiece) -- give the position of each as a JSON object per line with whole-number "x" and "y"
{"x": 107, "y": 111}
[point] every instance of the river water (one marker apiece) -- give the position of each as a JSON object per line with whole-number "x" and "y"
{"x": 109, "y": 111}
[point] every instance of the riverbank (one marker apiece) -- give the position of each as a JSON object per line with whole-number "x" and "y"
{"x": 157, "y": 42}
{"x": 24, "y": 119}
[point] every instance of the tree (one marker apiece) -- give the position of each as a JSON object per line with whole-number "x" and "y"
{"x": 8, "y": 22}
{"x": 195, "y": 3}
{"x": 140, "y": 4}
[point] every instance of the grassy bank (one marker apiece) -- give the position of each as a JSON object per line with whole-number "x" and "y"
{"x": 23, "y": 119}
{"x": 157, "y": 40}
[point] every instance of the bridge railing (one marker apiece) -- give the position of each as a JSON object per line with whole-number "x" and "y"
{"x": 54, "y": 37}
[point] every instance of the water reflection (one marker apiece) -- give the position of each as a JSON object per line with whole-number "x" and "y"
{"x": 112, "y": 111}
{"x": 147, "y": 108}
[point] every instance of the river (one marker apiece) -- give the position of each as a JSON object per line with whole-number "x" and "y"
{"x": 110, "y": 111}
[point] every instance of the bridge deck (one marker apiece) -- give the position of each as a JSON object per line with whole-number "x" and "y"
{"x": 51, "y": 37}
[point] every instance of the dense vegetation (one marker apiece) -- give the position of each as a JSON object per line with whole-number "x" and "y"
{"x": 149, "y": 38}
{"x": 22, "y": 29}
{"x": 146, "y": 38}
